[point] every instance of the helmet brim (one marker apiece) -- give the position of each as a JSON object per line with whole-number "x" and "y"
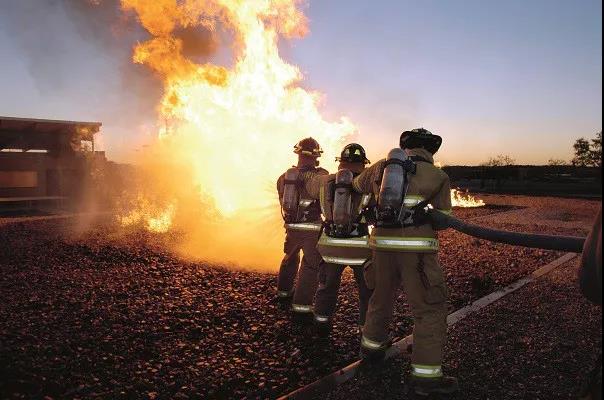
{"x": 316, "y": 154}
{"x": 413, "y": 140}
{"x": 359, "y": 161}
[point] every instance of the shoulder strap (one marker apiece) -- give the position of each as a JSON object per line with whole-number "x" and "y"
{"x": 380, "y": 175}
{"x": 326, "y": 194}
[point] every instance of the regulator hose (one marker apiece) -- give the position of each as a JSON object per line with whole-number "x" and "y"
{"x": 572, "y": 244}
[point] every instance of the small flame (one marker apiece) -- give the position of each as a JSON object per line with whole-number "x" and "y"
{"x": 465, "y": 200}
{"x": 163, "y": 221}
{"x": 151, "y": 217}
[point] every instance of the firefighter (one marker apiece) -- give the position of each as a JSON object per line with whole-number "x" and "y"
{"x": 405, "y": 248}
{"x": 590, "y": 281}
{"x": 344, "y": 241}
{"x": 590, "y": 274}
{"x": 303, "y": 223}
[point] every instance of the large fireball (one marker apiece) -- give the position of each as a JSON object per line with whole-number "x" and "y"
{"x": 228, "y": 132}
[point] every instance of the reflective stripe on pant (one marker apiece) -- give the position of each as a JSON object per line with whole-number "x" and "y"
{"x": 330, "y": 277}
{"x": 307, "y": 271}
{"x": 372, "y": 345}
{"x": 426, "y": 292}
{"x": 285, "y": 294}
{"x": 426, "y": 371}
{"x": 302, "y": 308}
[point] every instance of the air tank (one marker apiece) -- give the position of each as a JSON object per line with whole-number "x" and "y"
{"x": 392, "y": 188}
{"x": 342, "y": 203}
{"x": 291, "y": 196}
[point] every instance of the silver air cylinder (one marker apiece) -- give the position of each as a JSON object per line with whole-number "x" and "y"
{"x": 291, "y": 195}
{"x": 342, "y": 203}
{"x": 392, "y": 188}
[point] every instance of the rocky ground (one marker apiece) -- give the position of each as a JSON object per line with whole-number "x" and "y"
{"x": 541, "y": 342}
{"x": 88, "y": 316}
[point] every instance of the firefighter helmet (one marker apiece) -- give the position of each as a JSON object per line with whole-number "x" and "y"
{"x": 353, "y": 153}
{"x": 421, "y": 137}
{"x": 308, "y": 147}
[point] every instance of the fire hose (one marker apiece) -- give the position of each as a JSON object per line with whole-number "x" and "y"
{"x": 546, "y": 242}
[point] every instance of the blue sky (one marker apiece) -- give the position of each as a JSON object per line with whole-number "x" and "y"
{"x": 522, "y": 78}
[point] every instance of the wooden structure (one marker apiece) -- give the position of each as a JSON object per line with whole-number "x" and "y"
{"x": 43, "y": 160}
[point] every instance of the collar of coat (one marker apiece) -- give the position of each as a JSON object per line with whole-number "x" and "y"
{"x": 423, "y": 153}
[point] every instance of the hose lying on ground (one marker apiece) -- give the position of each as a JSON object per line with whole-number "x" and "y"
{"x": 547, "y": 242}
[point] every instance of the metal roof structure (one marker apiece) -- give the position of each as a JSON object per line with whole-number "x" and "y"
{"x": 43, "y": 134}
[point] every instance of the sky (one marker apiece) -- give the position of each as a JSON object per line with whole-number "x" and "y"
{"x": 520, "y": 77}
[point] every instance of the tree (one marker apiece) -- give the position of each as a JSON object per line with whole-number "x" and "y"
{"x": 588, "y": 154}
{"x": 499, "y": 161}
{"x": 556, "y": 162}
{"x": 596, "y": 150}
{"x": 582, "y": 153}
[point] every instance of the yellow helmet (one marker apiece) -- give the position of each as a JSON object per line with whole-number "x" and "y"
{"x": 308, "y": 147}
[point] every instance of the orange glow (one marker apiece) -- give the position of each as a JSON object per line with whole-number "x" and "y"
{"x": 228, "y": 132}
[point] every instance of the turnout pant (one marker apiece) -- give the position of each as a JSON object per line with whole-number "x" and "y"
{"x": 330, "y": 277}
{"x": 307, "y": 271}
{"x": 422, "y": 279}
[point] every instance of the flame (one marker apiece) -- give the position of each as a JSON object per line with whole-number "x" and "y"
{"x": 154, "y": 219}
{"x": 459, "y": 199}
{"x": 228, "y": 132}
{"x": 465, "y": 200}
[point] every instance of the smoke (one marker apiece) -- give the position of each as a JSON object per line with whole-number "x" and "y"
{"x": 198, "y": 43}
{"x": 80, "y": 52}
{"x": 105, "y": 23}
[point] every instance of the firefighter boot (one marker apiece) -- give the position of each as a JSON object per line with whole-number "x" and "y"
{"x": 373, "y": 353}
{"x": 428, "y": 386}
{"x": 284, "y": 303}
{"x": 372, "y": 357}
{"x": 302, "y": 319}
{"x": 322, "y": 327}
{"x": 284, "y": 299}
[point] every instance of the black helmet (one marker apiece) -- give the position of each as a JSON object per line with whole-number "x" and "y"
{"x": 308, "y": 147}
{"x": 421, "y": 137}
{"x": 354, "y": 153}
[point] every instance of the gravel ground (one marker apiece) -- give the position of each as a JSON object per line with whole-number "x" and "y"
{"x": 90, "y": 316}
{"x": 537, "y": 343}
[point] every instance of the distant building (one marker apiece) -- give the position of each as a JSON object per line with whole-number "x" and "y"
{"x": 44, "y": 161}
